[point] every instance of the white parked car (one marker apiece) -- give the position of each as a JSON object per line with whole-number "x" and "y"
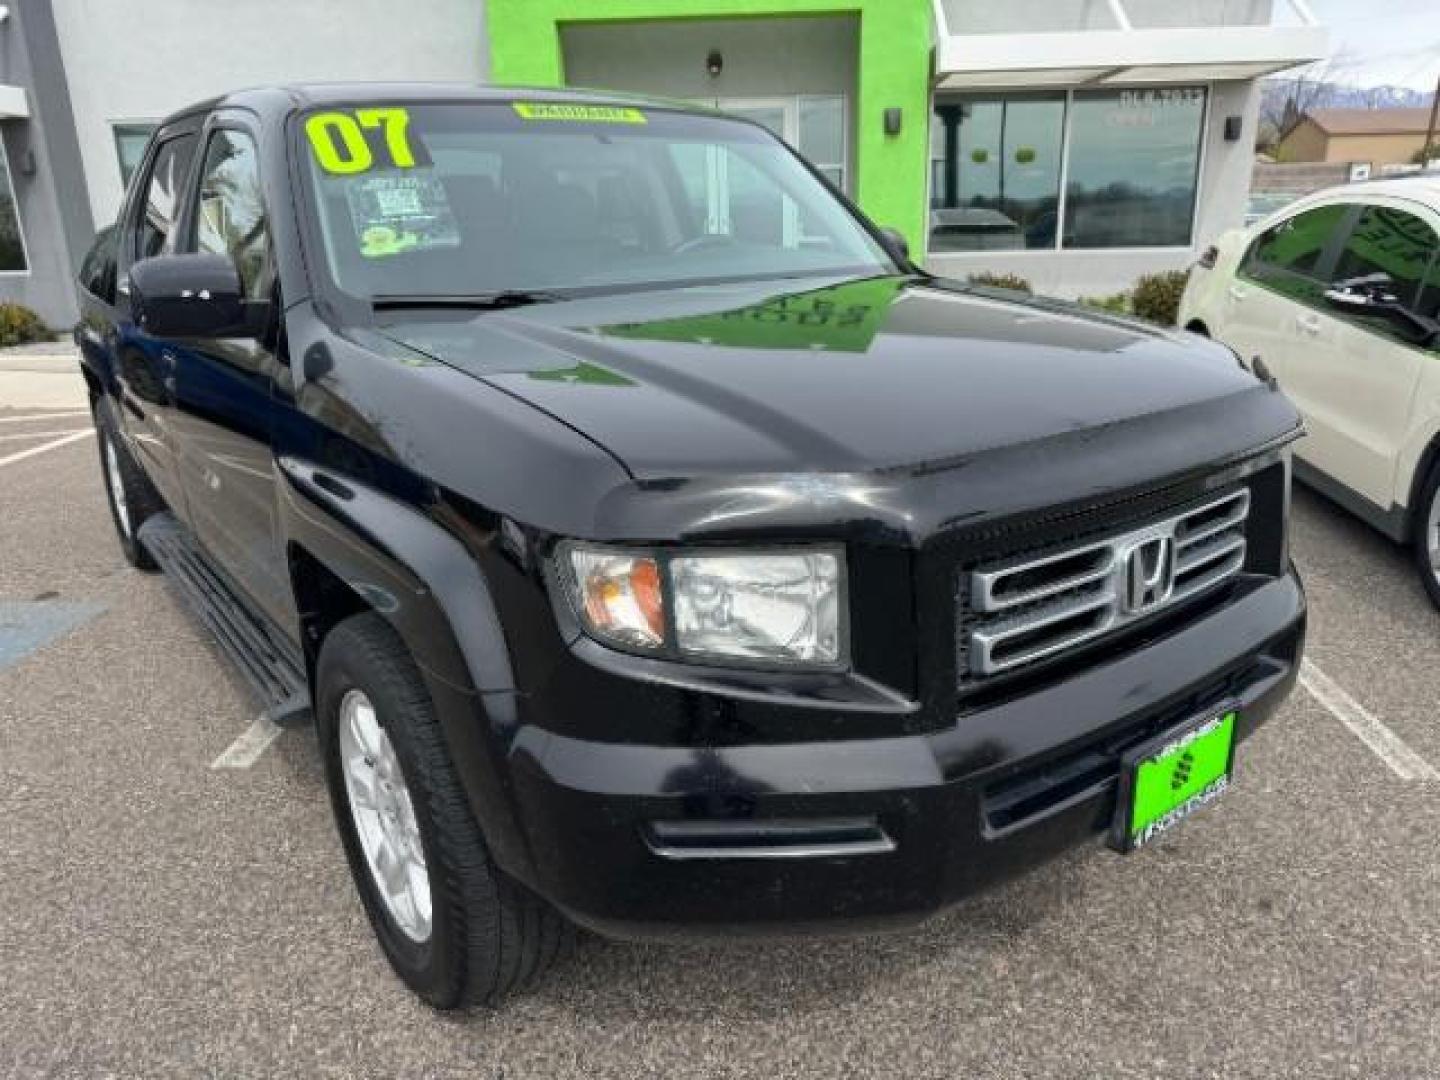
{"x": 1338, "y": 295}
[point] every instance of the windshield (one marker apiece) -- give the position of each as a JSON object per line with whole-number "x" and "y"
{"x": 471, "y": 199}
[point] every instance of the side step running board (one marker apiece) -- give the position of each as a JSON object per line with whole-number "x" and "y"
{"x": 271, "y": 666}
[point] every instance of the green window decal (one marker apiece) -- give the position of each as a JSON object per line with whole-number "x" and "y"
{"x": 585, "y": 114}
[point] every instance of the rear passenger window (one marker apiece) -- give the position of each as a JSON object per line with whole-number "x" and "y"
{"x": 1296, "y": 245}
{"x": 160, "y": 198}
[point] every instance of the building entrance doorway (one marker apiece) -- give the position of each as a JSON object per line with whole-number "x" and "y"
{"x": 813, "y": 124}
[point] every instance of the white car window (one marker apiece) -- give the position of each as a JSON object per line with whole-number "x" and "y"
{"x": 1392, "y": 244}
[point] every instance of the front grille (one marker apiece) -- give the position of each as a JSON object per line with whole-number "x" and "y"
{"x": 1036, "y": 606}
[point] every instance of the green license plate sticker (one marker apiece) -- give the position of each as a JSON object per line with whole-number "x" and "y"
{"x": 578, "y": 114}
{"x": 1186, "y": 772}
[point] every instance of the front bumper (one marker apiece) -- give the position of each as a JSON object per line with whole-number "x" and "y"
{"x": 639, "y": 840}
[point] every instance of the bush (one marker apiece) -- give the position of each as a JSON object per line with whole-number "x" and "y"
{"x": 20, "y": 326}
{"x": 1116, "y": 303}
{"x": 1156, "y": 297}
{"x": 1001, "y": 281}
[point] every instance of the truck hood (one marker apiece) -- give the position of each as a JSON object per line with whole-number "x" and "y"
{"x": 829, "y": 376}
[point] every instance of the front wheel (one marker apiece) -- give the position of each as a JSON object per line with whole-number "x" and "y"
{"x": 454, "y": 928}
{"x": 128, "y": 491}
{"x": 1426, "y": 546}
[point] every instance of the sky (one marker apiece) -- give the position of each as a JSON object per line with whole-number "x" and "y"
{"x": 1383, "y": 42}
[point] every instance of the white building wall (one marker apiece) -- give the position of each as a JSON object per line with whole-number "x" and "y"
{"x": 143, "y": 59}
{"x": 1224, "y": 188}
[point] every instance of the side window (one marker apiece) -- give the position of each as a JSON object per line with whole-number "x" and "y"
{"x": 230, "y": 214}
{"x": 1397, "y": 245}
{"x": 1390, "y": 242}
{"x": 1289, "y": 257}
{"x": 160, "y": 197}
{"x": 1428, "y": 302}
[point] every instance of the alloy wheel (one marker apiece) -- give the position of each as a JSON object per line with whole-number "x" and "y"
{"x": 384, "y": 816}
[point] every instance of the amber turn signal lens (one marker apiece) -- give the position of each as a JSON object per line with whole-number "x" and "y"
{"x": 619, "y": 597}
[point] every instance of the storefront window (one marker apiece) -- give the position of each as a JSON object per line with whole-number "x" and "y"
{"x": 1130, "y": 179}
{"x": 996, "y": 183}
{"x": 12, "y": 244}
{"x": 130, "y": 140}
{"x": 1133, "y": 167}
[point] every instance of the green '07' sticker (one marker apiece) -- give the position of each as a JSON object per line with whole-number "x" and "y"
{"x": 340, "y": 143}
{"x": 591, "y": 114}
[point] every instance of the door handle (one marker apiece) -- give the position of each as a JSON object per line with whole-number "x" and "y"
{"x": 1237, "y": 292}
{"x": 1308, "y": 324}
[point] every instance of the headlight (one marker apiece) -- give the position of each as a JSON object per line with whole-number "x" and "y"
{"x": 781, "y": 608}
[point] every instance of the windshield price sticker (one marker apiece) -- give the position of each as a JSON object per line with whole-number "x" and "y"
{"x": 393, "y": 214}
{"x": 584, "y": 114}
{"x": 349, "y": 143}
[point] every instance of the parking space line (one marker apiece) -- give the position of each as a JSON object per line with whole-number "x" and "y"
{"x": 1384, "y": 743}
{"x": 253, "y": 742}
{"x": 34, "y": 435}
{"x": 66, "y": 415}
{"x": 32, "y": 418}
{"x": 23, "y": 454}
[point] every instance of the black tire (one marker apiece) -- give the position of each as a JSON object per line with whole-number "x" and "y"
{"x": 141, "y": 500}
{"x": 488, "y": 935}
{"x": 1419, "y": 535}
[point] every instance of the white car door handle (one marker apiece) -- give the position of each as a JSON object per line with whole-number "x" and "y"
{"x": 1237, "y": 292}
{"x": 1308, "y": 324}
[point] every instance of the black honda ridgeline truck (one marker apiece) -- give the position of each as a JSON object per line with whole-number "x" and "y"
{"x": 655, "y": 548}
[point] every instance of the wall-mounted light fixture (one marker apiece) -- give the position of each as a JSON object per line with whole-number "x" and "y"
{"x": 893, "y": 117}
{"x": 714, "y": 63}
{"x": 27, "y": 163}
{"x": 1232, "y": 128}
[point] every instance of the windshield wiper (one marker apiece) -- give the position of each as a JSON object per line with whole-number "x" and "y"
{"x": 492, "y": 301}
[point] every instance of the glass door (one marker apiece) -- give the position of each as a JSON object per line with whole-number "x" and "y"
{"x": 781, "y": 116}
{"x": 814, "y": 124}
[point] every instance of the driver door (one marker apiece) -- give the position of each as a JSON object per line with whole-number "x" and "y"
{"x": 1357, "y": 391}
{"x": 224, "y": 404}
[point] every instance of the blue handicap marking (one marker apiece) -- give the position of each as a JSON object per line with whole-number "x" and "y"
{"x": 27, "y": 626}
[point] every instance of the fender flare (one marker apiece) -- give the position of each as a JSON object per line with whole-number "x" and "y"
{"x": 408, "y": 568}
{"x": 430, "y": 589}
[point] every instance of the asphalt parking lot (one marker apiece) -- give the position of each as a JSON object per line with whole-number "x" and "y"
{"x": 162, "y": 916}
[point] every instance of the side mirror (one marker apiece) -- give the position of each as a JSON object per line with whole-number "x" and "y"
{"x": 197, "y": 296}
{"x": 896, "y": 242}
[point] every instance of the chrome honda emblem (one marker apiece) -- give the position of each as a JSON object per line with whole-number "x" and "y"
{"x": 1148, "y": 573}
